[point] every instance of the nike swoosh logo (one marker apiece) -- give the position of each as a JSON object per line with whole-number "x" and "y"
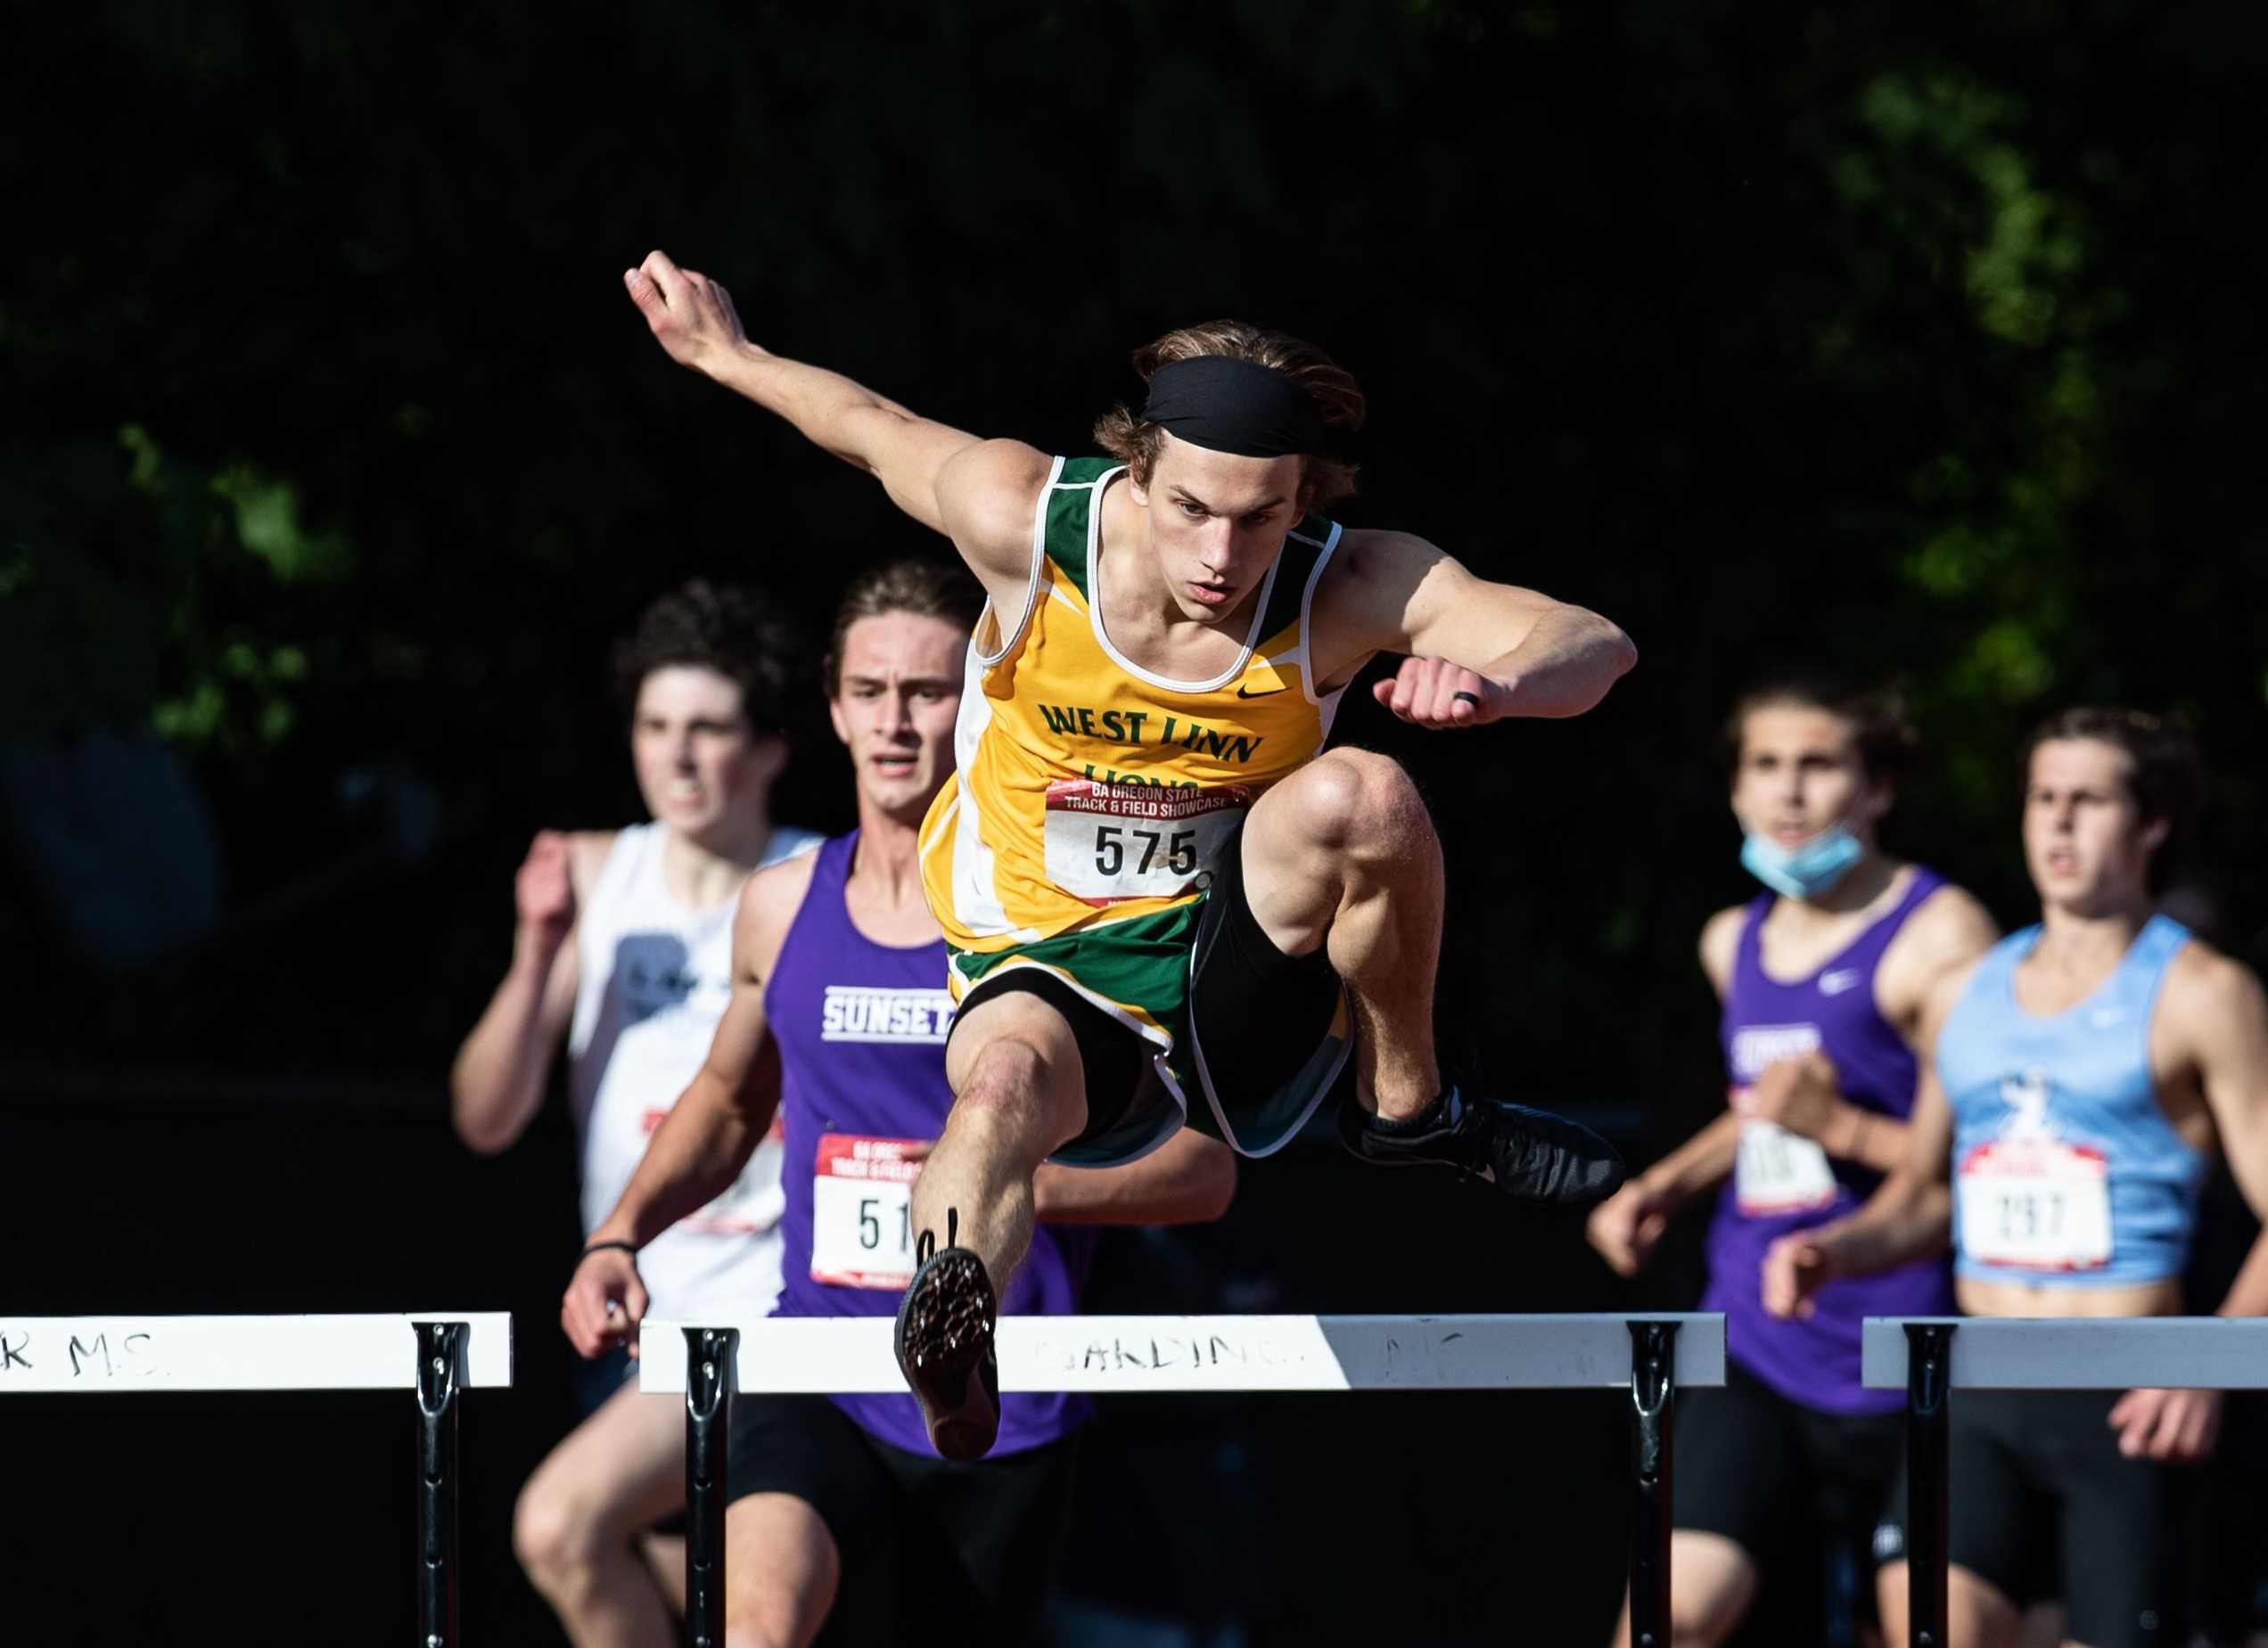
{"x": 1835, "y": 983}
{"x": 1270, "y": 692}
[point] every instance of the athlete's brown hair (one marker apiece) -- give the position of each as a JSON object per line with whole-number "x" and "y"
{"x": 2164, "y": 773}
{"x": 925, "y": 589}
{"x": 1136, "y": 442}
{"x": 1888, "y": 744}
{"x": 738, "y": 632}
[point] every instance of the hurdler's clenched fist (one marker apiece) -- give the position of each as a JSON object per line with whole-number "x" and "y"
{"x": 1434, "y": 693}
{"x": 691, "y": 316}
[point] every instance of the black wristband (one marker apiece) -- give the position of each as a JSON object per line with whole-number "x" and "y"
{"x": 630, "y": 1247}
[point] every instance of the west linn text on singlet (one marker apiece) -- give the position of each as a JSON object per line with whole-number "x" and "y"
{"x": 1092, "y": 797}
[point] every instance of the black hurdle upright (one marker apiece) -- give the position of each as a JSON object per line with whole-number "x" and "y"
{"x": 710, "y": 1355}
{"x": 441, "y": 1348}
{"x": 1930, "y": 1348}
{"x": 1653, "y": 1428}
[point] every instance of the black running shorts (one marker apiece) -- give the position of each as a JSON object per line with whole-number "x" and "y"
{"x": 1266, "y": 1038}
{"x": 2041, "y": 1504}
{"x": 932, "y": 1551}
{"x": 1779, "y": 1480}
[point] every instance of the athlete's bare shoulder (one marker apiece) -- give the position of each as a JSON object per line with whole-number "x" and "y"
{"x": 989, "y": 494}
{"x": 1948, "y": 928}
{"x": 1377, "y": 568}
{"x": 2211, "y": 1029}
{"x": 1953, "y": 916}
{"x": 1939, "y": 999}
{"x": 2203, "y": 969}
{"x": 769, "y": 902}
{"x": 1363, "y": 598}
{"x": 587, "y": 852}
{"x": 2207, "y": 991}
{"x": 1720, "y": 945}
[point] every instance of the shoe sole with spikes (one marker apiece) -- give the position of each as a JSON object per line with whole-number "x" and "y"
{"x": 944, "y": 1342}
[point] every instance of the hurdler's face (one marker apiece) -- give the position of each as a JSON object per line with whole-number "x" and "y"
{"x": 1217, "y": 522}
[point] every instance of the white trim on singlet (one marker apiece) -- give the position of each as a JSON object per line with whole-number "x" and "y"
{"x": 1326, "y": 704}
{"x": 1302, "y": 654}
{"x": 1095, "y": 607}
{"x": 928, "y": 843}
{"x": 1031, "y": 581}
{"x": 975, "y": 889}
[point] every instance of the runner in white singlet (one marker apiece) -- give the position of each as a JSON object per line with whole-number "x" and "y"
{"x": 624, "y": 952}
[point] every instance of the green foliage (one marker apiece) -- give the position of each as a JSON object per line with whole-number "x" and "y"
{"x": 1937, "y": 173}
{"x": 268, "y": 524}
{"x": 145, "y": 590}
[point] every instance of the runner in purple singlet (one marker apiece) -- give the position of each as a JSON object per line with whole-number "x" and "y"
{"x": 842, "y": 1515}
{"x": 1822, "y": 979}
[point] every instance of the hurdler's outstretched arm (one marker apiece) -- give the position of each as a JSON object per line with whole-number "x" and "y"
{"x": 693, "y": 318}
{"x": 1477, "y": 652}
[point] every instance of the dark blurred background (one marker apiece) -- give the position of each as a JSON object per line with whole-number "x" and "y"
{"x": 1915, "y": 339}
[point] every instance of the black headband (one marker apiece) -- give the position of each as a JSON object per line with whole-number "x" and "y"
{"x": 1234, "y": 406}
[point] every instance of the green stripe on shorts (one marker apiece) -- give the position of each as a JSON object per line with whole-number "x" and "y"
{"x": 1142, "y": 962}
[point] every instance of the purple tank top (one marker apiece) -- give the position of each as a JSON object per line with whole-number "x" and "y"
{"x": 1785, "y": 1183}
{"x": 861, "y": 1032}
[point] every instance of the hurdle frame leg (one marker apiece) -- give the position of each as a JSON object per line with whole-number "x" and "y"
{"x": 1928, "y": 1394}
{"x": 1653, "y": 1391}
{"x": 711, "y": 1355}
{"x": 440, "y": 1347}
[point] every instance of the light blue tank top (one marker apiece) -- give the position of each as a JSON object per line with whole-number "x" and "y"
{"x": 2054, "y": 1117}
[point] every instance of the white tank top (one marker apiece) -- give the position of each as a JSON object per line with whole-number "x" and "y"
{"x": 654, "y": 980}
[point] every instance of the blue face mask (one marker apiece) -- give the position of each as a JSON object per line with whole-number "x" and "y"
{"x": 1803, "y": 872}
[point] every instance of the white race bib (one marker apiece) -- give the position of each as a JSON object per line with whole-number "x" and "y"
{"x": 1106, "y": 842}
{"x": 862, "y": 1200}
{"x": 2035, "y": 1202}
{"x": 1779, "y": 1172}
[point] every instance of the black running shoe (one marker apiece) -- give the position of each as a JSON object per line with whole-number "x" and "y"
{"x": 944, "y": 1344}
{"x": 1531, "y": 1154}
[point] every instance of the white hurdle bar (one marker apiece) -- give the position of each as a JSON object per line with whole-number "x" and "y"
{"x": 1651, "y": 1358}
{"x": 433, "y": 1353}
{"x": 1931, "y": 1356}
